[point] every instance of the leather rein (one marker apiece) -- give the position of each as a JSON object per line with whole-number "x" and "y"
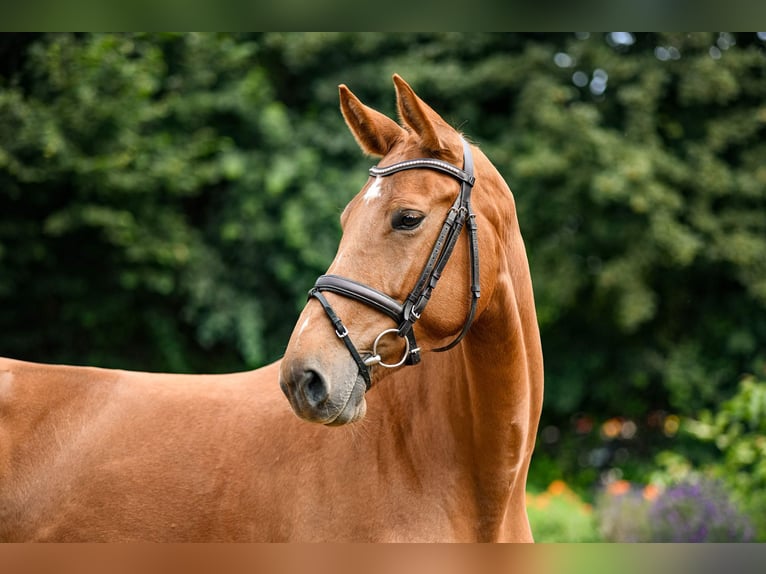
{"x": 406, "y": 314}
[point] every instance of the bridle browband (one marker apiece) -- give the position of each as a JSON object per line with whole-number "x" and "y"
{"x": 406, "y": 314}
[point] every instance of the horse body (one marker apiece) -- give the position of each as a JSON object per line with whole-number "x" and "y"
{"x": 436, "y": 451}
{"x": 99, "y": 455}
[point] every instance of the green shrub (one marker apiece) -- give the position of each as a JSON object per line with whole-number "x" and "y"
{"x": 559, "y": 515}
{"x": 732, "y": 449}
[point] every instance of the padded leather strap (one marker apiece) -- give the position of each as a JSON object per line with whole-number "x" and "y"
{"x": 360, "y": 292}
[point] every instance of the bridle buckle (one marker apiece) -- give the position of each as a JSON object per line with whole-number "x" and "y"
{"x": 342, "y": 335}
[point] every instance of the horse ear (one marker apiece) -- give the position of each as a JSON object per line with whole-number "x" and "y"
{"x": 418, "y": 115}
{"x": 375, "y": 133}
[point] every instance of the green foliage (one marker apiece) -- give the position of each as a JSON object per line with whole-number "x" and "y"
{"x": 156, "y": 213}
{"x": 559, "y": 515}
{"x": 733, "y": 450}
{"x": 641, "y": 210}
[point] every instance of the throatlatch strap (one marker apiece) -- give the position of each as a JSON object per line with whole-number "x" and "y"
{"x": 473, "y": 248}
{"x": 459, "y": 215}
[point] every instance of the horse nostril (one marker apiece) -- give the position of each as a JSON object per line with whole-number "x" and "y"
{"x": 314, "y": 388}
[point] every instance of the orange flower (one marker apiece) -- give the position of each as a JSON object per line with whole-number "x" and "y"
{"x": 557, "y": 487}
{"x": 618, "y": 487}
{"x": 650, "y": 492}
{"x": 611, "y": 428}
{"x": 538, "y": 501}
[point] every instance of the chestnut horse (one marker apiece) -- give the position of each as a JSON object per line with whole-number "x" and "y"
{"x": 439, "y": 448}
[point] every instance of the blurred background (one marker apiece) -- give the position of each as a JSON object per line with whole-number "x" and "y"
{"x": 166, "y": 200}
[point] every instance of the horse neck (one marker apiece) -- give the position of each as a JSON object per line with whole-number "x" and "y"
{"x": 502, "y": 353}
{"x": 504, "y": 367}
{"x": 480, "y": 402}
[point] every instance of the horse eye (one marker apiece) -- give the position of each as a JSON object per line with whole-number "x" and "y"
{"x": 407, "y": 220}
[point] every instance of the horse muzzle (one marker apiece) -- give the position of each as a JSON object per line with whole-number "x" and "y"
{"x": 317, "y": 397}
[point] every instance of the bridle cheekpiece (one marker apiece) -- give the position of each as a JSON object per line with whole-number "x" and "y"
{"x": 406, "y": 314}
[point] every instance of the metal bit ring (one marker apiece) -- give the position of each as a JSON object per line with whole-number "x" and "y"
{"x": 376, "y": 358}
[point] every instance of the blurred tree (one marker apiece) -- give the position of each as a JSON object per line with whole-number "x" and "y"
{"x": 637, "y": 165}
{"x": 158, "y": 210}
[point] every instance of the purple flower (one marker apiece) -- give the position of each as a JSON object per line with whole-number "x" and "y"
{"x": 697, "y": 512}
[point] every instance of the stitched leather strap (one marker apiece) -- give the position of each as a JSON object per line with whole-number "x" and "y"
{"x": 342, "y": 333}
{"x": 360, "y": 292}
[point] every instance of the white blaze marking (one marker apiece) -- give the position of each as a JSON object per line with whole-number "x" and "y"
{"x": 373, "y": 192}
{"x": 5, "y": 384}
{"x": 303, "y": 326}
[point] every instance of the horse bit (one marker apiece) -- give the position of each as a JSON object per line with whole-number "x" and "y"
{"x": 406, "y": 314}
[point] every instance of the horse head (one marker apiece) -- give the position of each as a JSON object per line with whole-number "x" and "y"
{"x": 410, "y": 226}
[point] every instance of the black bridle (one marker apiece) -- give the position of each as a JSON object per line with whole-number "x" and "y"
{"x": 406, "y": 314}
